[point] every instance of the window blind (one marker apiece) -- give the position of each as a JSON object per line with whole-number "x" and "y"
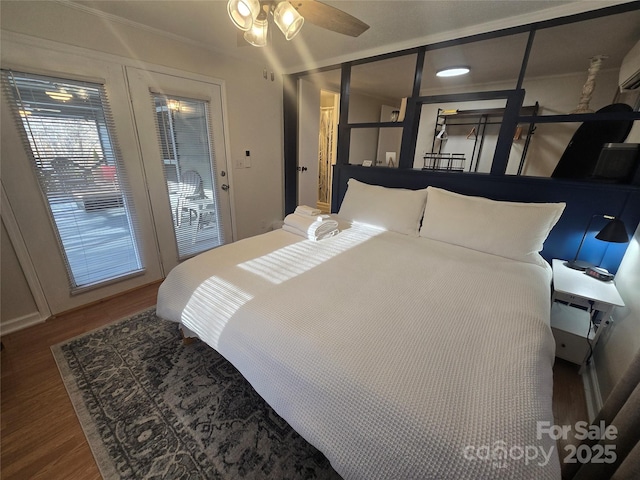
{"x": 188, "y": 157}
{"x": 68, "y": 132}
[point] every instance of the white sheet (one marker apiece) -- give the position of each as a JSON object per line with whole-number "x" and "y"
{"x": 397, "y": 357}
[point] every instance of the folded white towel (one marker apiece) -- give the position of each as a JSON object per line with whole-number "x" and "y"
{"x": 303, "y": 222}
{"x": 306, "y": 210}
{"x": 315, "y": 238}
{"x": 313, "y": 228}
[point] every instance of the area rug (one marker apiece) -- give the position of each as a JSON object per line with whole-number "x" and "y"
{"x": 152, "y": 407}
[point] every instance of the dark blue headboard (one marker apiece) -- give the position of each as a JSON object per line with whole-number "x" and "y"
{"x": 583, "y": 200}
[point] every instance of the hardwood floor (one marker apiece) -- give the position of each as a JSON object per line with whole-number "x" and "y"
{"x": 41, "y": 437}
{"x": 569, "y": 403}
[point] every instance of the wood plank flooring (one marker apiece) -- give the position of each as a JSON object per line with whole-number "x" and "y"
{"x": 41, "y": 437}
{"x": 569, "y": 402}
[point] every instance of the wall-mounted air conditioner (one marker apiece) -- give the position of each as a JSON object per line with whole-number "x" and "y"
{"x": 630, "y": 70}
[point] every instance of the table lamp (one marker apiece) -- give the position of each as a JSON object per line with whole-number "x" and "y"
{"x": 614, "y": 231}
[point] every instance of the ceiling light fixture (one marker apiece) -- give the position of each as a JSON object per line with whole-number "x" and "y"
{"x": 251, "y": 16}
{"x": 257, "y": 34}
{"x": 243, "y": 12}
{"x": 452, "y": 72}
{"x": 61, "y": 95}
{"x": 288, "y": 20}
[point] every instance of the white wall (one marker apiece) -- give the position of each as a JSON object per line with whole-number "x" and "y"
{"x": 364, "y": 141}
{"x": 616, "y": 349}
{"x": 16, "y": 300}
{"x": 389, "y": 139}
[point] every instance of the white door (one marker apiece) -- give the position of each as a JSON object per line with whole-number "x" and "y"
{"x": 308, "y": 143}
{"x": 72, "y": 176}
{"x": 180, "y": 125}
{"x": 317, "y": 135}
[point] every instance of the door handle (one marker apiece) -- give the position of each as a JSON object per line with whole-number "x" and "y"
{"x": 224, "y": 186}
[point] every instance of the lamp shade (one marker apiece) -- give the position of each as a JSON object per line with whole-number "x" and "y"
{"x": 243, "y": 12}
{"x": 614, "y": 231}
{"x": 288, "y": 19}
{"x": 257, "y": 34}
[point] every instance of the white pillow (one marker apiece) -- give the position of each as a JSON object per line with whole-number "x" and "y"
{"x": 508, "y": 229}
{"x": 396, "y": 209}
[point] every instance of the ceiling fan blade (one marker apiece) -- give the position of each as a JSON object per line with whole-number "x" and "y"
{"x": 329, "y": 17}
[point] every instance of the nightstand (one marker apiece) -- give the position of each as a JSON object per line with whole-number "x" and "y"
{"x": 581, "y": 309}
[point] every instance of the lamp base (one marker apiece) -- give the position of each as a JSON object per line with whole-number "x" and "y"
{"x": 578, "y": 264}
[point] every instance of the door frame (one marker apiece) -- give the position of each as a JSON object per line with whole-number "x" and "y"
{"x": 334, "y": 151}
{"x": 27, "y": 199}
{"x": 30, "y": 275}
{"x": 46, "y": 57}
{"x": 182, "y": 84}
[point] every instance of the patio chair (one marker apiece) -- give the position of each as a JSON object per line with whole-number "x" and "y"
{"x": 189, "y": 189}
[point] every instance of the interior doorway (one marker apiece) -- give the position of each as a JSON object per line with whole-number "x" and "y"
{"x": 327, "y": 147}
{"x": 317, "y": 144}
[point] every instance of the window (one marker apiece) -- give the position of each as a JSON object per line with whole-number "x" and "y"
{"x": 167, "y": 137}
{"x": 188, "y": 163}
{"x": 68, "y": 130}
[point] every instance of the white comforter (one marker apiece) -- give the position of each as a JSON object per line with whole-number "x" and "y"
{"x": 397, "y": 357}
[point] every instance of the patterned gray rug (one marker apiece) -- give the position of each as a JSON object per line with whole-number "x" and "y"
{"x": 152, "y": 407}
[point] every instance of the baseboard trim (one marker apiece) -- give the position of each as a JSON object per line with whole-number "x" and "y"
{"x": 19, "y": 323}
{"x": 592, "y": 392}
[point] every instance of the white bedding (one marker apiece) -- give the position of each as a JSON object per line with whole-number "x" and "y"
{"x": 397, "y": 357}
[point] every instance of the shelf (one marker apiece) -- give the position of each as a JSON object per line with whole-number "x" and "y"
{"x": 480, "y": 119}
{"x": 453, "y": 162}
{"x": 489, "y": 112}
{"x": 450, "y": 118}
{"x": 377, "y": 125}
{"x": 580, "y": 117}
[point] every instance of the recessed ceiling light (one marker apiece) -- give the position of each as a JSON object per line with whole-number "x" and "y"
{"x": 452, "y": 72}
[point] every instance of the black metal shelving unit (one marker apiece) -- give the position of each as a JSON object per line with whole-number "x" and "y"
{"x": 478, "y": 119}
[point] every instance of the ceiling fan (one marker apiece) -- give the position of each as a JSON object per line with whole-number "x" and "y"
{"x": 251, "y": 17}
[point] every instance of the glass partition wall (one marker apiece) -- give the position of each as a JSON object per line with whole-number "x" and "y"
{"x": 513, "y": 113}
{"x": 377, "y": 105}
{"x": 577, "y": 83}
{"x": 459, "y": 134}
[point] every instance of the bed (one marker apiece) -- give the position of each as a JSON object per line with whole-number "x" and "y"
{"x": 414, "y": 344}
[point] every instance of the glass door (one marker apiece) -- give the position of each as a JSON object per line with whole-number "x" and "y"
{"x": 72, "y": 176}
{"x": 181, "y": 132}
{"x": 188, "y": 165}
{"x": 71, "y": 141}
